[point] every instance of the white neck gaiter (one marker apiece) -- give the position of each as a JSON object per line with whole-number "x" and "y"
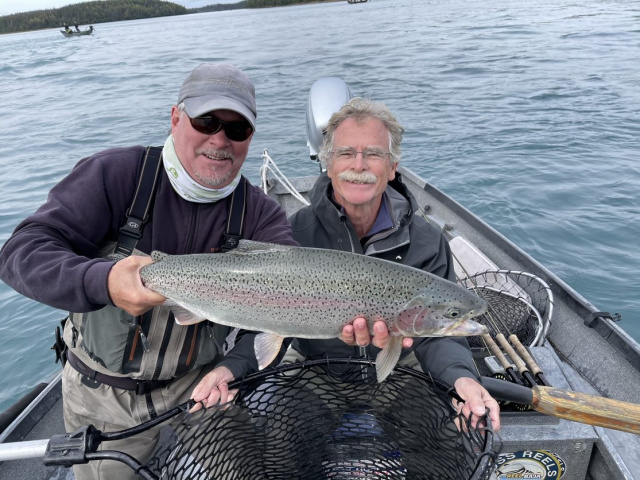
{"x": 187, "y": 187}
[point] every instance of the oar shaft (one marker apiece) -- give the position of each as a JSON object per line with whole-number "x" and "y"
{"x": 589, "y": 409}
{"x": 22, "y": 450}
{"x": 570, "y": 405}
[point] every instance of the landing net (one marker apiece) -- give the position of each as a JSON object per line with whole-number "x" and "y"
{"x": 330, "y": 419}
{"x": 519, "y": 303}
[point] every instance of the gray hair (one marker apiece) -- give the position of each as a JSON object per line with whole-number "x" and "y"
{"x": 360, "y": 109}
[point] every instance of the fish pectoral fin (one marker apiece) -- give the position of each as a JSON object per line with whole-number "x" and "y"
{"x": 388, "y": 357}
{"x": 156, "y": 256}
{"x": 182, "y": 315}
{"x": 266, "y": 347}
{"x": 247, "y": 247}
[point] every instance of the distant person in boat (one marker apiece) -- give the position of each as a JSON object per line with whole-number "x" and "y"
{"x": 127, "y": 360}
{"x": 77, "y": 29}
{"x": 361, "y": 205}
{"x": 67, "y": 29}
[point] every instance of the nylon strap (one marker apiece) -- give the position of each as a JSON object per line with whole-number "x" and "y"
{"x": 138, "y": 213}
{"x": 235, "y": 223}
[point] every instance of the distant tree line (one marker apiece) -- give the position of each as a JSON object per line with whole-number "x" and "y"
{"x": 279, "y": 3}
{"x": 88, "y": 13}
{"x": 101, "y": 11}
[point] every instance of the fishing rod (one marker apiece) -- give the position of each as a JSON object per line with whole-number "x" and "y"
{"x": 499, "y": 325}
{"x": 506, "y": 365}
{"x": 529, "y": 360}
{"x": 520, "y": 364}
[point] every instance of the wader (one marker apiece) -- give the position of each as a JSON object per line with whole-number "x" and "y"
{"x": 121, "y": 370}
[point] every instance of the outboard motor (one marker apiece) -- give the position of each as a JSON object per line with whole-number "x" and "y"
{"x": 326, "y": 96}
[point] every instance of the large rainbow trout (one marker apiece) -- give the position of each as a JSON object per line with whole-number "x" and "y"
{"x": 311, "y": 293}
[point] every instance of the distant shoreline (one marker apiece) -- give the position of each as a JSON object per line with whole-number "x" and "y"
{"x": 93, "y": 13}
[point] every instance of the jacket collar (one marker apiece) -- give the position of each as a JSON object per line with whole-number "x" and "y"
{"x": 401, "y": 207}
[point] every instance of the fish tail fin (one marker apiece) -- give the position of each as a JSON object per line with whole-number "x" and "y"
{"x": 267, "y": 346}
{"x": 388, "y": 358}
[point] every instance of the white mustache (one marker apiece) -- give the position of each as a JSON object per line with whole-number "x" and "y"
{"x": 217, "y": 153}
{"x": 357, "y": 177}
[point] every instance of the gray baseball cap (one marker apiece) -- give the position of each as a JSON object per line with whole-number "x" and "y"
{"x": 218, "y": 87}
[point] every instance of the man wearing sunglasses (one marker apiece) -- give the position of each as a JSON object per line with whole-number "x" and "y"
{"x": 127, "y": 360}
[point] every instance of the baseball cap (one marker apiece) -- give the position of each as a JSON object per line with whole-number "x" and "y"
{"x": 218, "y": 87}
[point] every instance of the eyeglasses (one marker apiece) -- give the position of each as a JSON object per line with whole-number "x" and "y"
{"x": 370, "y": 155}
{"x": 210, "y": 124}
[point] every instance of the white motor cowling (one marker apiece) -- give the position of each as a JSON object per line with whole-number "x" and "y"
{"x": 326, "y": 96}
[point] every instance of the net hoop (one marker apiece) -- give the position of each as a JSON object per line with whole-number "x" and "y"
{"x": 523, "y": 301}
{"x": 329, "y": 418}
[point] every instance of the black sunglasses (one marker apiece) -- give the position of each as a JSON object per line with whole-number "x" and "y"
{"x": 235, "y": 131}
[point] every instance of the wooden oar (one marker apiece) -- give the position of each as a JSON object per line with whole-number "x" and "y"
{"x": 570, "y": 405}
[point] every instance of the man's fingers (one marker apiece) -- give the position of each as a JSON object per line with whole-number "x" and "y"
{"x": 348, "y": 336}
{"x": 381, "y": 334}
{"x": 361, "y": 330}
{"x": 223, "y": 388}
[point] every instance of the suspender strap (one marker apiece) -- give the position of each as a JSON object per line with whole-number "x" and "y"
{"x": 235, "y": 223}
{"x": 138, "y": 213}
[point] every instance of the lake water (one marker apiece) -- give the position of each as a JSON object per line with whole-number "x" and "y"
{"x": 527, "y": 112}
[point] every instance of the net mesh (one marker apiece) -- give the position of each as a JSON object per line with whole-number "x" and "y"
{"x": 519, "y": 303}
{"x": 329, "y": 421}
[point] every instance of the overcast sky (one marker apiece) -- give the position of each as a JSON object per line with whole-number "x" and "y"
{"x": 7, "y": 7}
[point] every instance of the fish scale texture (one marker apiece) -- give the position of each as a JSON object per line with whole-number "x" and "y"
{"x": 307, "y": 293}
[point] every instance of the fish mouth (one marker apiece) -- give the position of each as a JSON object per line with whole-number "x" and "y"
{"x": 465, "y": 328}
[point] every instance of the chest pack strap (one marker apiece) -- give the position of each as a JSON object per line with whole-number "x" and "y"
{"x": 138, "y": 213}
{"x": 235, "y": 223}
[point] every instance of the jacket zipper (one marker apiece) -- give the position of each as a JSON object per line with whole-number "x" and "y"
{"x": 344, "y": 224}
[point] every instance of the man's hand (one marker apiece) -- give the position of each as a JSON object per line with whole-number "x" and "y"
{"x": 126, "y": 289}
{"x": 358, "y": 334}
{"x": 476, "y": 398}
{"x": 213, "y": 389}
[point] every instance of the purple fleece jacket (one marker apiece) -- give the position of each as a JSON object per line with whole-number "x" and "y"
{"x": 52, "y": 255}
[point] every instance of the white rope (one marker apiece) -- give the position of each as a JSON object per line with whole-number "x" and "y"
{"x": 269, "y": 166}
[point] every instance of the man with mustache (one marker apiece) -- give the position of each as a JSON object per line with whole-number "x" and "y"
{"x": 127, "y": 360}
{"x": 361, "y": 205}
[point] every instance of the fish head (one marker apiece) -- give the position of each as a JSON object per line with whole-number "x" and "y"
{"x": 428, "y": 315}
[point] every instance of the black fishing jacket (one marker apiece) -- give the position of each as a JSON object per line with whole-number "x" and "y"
{"x": 411, "y": 241}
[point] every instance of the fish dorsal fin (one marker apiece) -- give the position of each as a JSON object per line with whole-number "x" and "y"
{"x": 248, "y": 247}
{"x": 156, "y": 256}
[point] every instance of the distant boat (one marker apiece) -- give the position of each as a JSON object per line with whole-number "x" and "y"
{"x": 356, "y": 1}
{"x": 71, "y": 33}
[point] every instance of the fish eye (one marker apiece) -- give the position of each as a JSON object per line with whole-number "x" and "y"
{"x": 453, "y": 313}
